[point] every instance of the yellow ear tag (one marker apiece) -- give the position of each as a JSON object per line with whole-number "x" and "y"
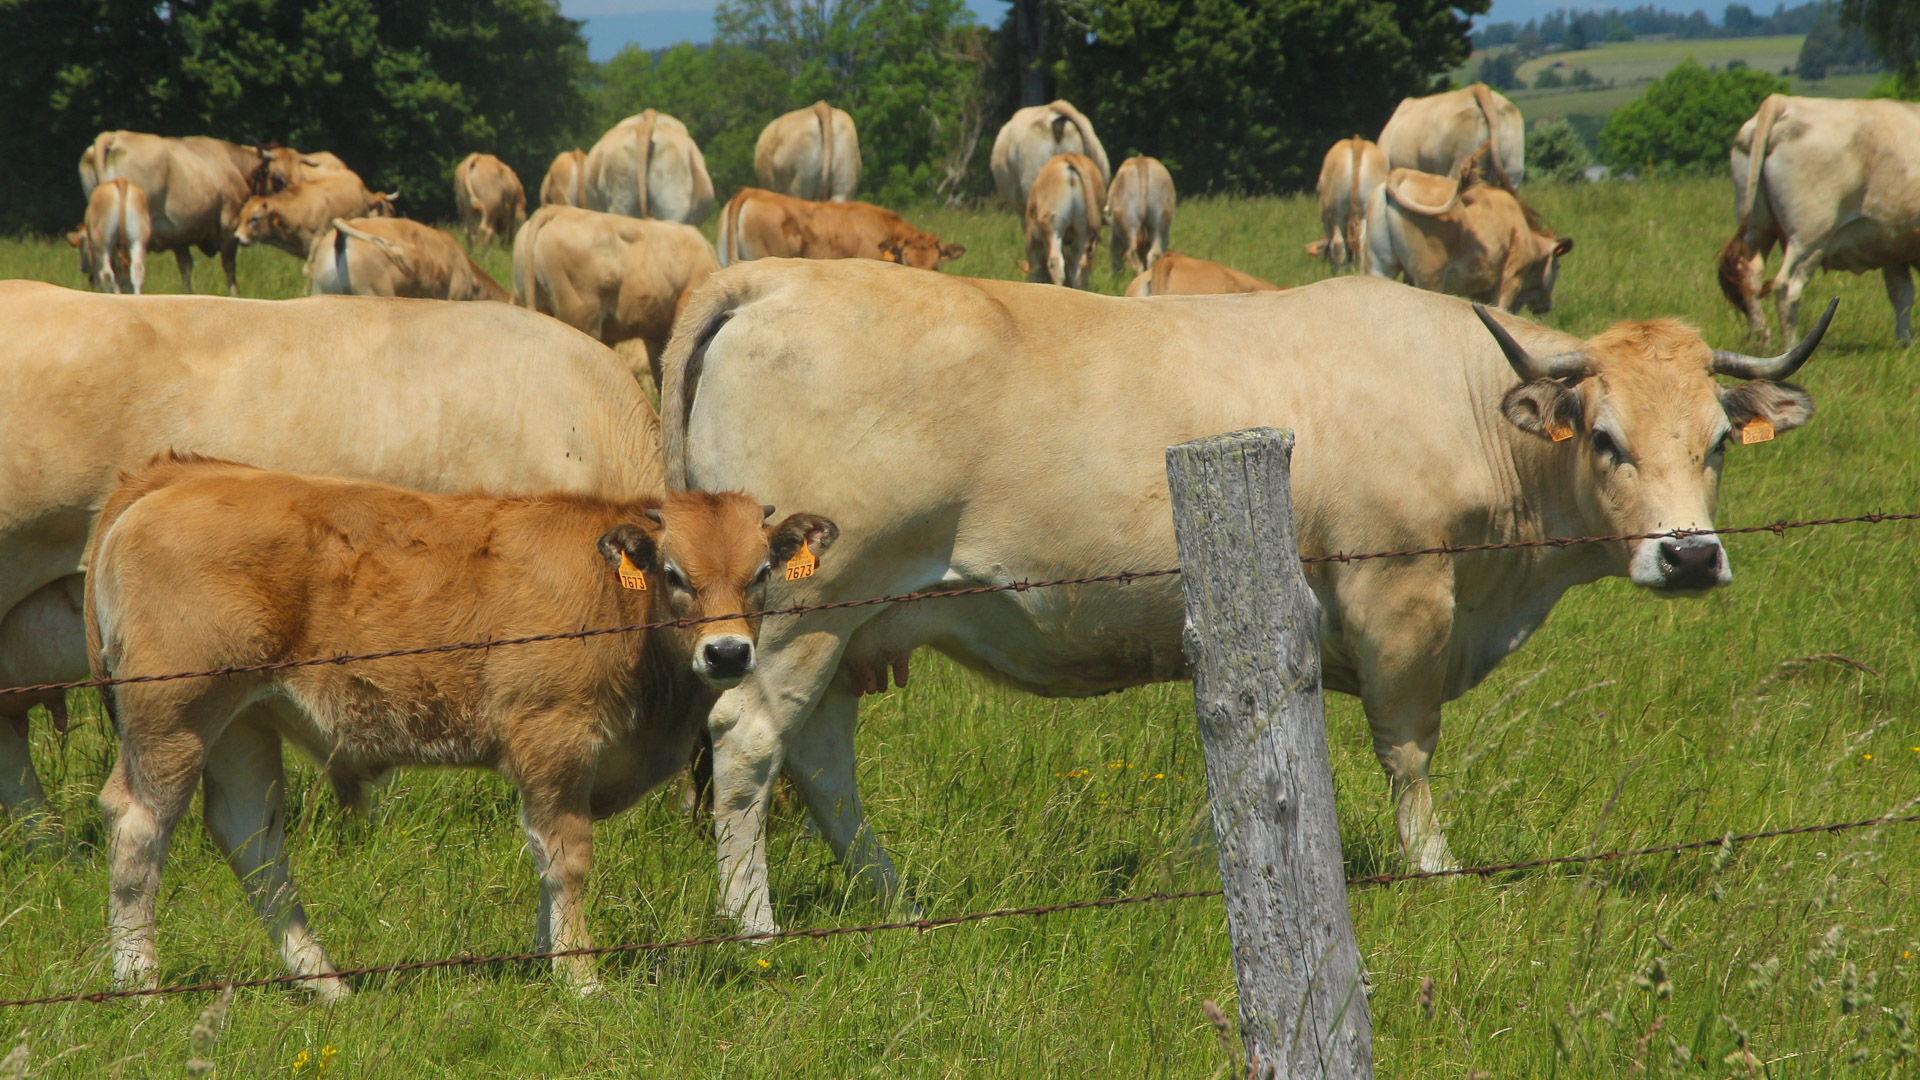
{"x": 802, "y": 564}
{"x": 1559, "y": 432}
{"x": 631, "y": 576}
{"x": 1758, "y": 429}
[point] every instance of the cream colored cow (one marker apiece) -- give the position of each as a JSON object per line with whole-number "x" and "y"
{"x": 1032, "y": 137}
{"x": 195, "y": 188}
{"x": 379, "y": 256}
{"x": 1063, "y": 221}
{"x": 489, "y": 197}
{"x": 648, "y": 166}
{"x": 1140, "y": 209}
{"x": 1469, "y": 239}
{"x": 115, "y": 234}
{"x": 1435, "y": 134}
{"x": 811, "y": 153}
{"x": 1352, "y": 171}
{"x": 565, "y": 183}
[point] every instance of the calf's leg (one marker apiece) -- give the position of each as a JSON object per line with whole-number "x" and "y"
{"x": 150, "y": 787}
{"x": 559, "y": 829}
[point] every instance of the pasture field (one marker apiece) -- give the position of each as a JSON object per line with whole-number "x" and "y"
{"x": 1627, "y": 721}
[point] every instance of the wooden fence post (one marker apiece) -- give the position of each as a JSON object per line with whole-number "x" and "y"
{"x": 1252, "y": 638}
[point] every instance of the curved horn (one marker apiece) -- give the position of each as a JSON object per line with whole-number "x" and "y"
{"x": 1566, "y": 365}
{"x": 653, "y": 516}
{"x": 1742, "y": 366}
{"x": 765, "y": 510}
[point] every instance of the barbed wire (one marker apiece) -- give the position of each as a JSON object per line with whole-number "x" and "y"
{"x": 1778, "y": 528}
{"x": 1035, "y": 911}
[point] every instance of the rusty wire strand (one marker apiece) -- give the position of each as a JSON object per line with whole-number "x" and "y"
{"x": 1777, "y": 528}
{"x": 823, "y": 932}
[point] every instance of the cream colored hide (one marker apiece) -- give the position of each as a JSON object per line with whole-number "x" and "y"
{"x": 1032, "y": 138}
{"x": 950, "y": 441}
{"x": 439, "y": 397}
{"x": 293, "y": 219}
{"x": 1435, "y": 134}
{"x": 1174, "y": 274}
{"x": 811, "y": 153}
{"x": 621, "y": 280}
{"x": 1838, "y": 189}
{"x": 655, "y": 148}
{"x": 195, "y": 188}
{"x": 565, "y": 183}
{"x": 283, "y": 167}
{"x": 1063, "y": 221}
{"x": 1352, "y": 171}
{"x": 377, "y": 256}
{"x": 113, "y": 239}
{"x": 1480, "y": 243}
{"x": 1140, "y": 209}
{"x": 490, "y": 199}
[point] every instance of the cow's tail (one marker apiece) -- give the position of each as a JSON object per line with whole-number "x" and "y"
{"x": 643, "y": 155}
{"x": 684, "y": 360}
{"x": 1143, "y": 239}
{"x": 1736, "y": 254}
{"x": 1484, "y": 97}
{"x": 1093, "y": 148}
{"x": 730, "y": 228}
{"x": 526, "y": 261}
{"x": 823, "y": 114}
{"x": 1757, "y": 153}
{"x": 1356, "y": 211}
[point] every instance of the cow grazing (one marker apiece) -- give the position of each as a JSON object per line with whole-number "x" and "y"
{"x": 565, "y": 183}
{"x": 195, "y": 188}
{"x": 811, "y": 153}
{"x": 491, "y": 201}
{"x": 1835, "y": 183}
{"x": 1174, "y": 274}
{"x": 1416, "y": 426}
{"x": 1033, "y": 137}
{"x": 1140, "y": 209}
{"x": 293, "y": 219}
{"x": 378, "y": 256}
{"x": 760, "y": 224}
{"x": 282, "y": 167}
{"x": 1063, "y": 221}
{"x": 1352, "y": 171}
{"x": 440, "y": 397}
{"x": 648, "y": 166}
{"x": 1465, "y": 238}
{"x": 621, "y": 280}
{"x": 115, "y": 233}
{"x": 583, "y": 727}
{"x": 1435, "y": 134}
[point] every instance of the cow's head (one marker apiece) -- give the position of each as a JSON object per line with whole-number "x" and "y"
{"x": 922, "y": 251}
{"x": 1642, "y": 428}
{"x": 1538, "y": 270}
{"x": 708, "y": 554}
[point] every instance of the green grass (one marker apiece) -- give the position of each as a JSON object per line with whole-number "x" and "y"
{"x": 1626, "y": 721}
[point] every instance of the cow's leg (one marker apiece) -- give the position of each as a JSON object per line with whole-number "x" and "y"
{"x": 821, "y": 764}
{"x": 1402, "y": 661}
{"x": 1797, "y": 265}
{"x": 750, "y": 725}
{"x": 20, "y": 791}
{"x": 1900, "y": 291}
{"x": 1751, "y": 271}
{"x": 137, "y": 266}
{"x": 556, "y": 815}
{"x": 42, "y": 639}
{"x": 245, "y": 793}
{"x": 184, "y": 259}
{"x": 1056, "y": 261}
{"x": 229, "y": 255}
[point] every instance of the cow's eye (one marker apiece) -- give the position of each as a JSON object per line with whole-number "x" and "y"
{"x": 674, "y": 580}
{"x": 1604, "y": 446}
{"x": 1720, "y": 444}
{"x": 760, "y": 576}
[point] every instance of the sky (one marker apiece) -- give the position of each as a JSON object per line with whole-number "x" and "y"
{"x": 654, "y": 24}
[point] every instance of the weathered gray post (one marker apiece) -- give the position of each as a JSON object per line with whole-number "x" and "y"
{"x": 1252, "y": 640}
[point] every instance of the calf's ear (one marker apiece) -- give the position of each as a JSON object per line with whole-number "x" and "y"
{"x": 1543, "y": 407}
{"x": 952, "y": 251}
{"x": 1562, "y": 246}
{"x": 816, "y": 532}
{"x": 1781, "y": 404}
{"x": 889, "y": 251}
{"x": 74, "y": 237}
{"x": 632, "y": 541}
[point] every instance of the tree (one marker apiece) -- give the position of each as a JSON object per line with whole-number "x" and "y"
{"x": 1576, "y": 36}
{"x": 1687, "y": 119}
{"x": 1892, "y": 27}
{"x": 1246, "y": 95}
{"x": 1548, "y": 79}
{"x": 1555, "y": 152}
{"x": 1821, "y": 49}
{"x": 1501, "y": 70}
{"x": 400, "y": 89}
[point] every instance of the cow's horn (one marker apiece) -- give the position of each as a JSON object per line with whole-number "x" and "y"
{"x": 653, "y": 516}
{"x": 1564, "y": 365}
{"x": 1742, "y": 366}
{"x": 765, "y": 510}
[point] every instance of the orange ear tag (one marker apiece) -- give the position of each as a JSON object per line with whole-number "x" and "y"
{"x": 1559, "y": 432}
{"x": 1758, "y": 429}
{"x": 631, "y": 576}
{"x": 802, "y": 564}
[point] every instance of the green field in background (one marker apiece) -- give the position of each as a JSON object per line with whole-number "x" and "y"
{"x": 1626, "y": 721}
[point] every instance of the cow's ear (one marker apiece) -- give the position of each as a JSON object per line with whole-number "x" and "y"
{"x": 889, "y": 251}
{"x": 1562, "y": 246}
{"x": 635, "y": 541}
{"x": 816, "y": 532}
{"x": 74, "y": 237}
{"x": 1543, "y": 407}
{"x": 274, "y": 218}
{"x": 1781, "y": 404}
{"x": 952, "y": 251}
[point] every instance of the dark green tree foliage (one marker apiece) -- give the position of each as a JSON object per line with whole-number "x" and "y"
{"x": 1501, "y": 70}
{"x": 1246, "y": 95}
{"x": 1892, "y": 27}
{"x": 907, "y": 71}
{"x": 1687, "y": 119}
{"x": 1556, "y": 152}
{"x": 400, "y": 89}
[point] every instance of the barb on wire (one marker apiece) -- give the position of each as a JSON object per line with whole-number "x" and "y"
{"x": 1777, "y": 528}
{"x": 823, "y": 932}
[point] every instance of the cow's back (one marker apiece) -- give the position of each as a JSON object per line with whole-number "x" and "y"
{"x": 1833, "y": 164}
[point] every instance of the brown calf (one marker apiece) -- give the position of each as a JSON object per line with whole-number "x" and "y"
{"x": 1174, "y": 274}
{"x": 292, "y": 219}
{"x": 1063, "y": 221}
{"x": 198, "y": 564}
{"x": 115, "y": 235}
{"x": 761, "y": 224}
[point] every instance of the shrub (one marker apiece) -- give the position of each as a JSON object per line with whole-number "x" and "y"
{"x": 1549, "y": 79}
{"x": 1687, "y": 119}
{"x": 1555, "y": 151}
{"x": 1580, "y": 78}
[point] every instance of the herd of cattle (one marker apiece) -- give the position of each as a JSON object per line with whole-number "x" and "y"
{"x": 937, "y": 432}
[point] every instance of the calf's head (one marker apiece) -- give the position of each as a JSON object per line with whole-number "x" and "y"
{"x": 922, "y": 251}
{"x": 707, "y": 554}
{"x": 1643, "y": 428}
{"x": 260, "y": 222}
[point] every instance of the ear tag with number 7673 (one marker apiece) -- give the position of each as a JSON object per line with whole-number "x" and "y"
{"x": 802, "y": 564}
{"x": 631, "y": 576}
